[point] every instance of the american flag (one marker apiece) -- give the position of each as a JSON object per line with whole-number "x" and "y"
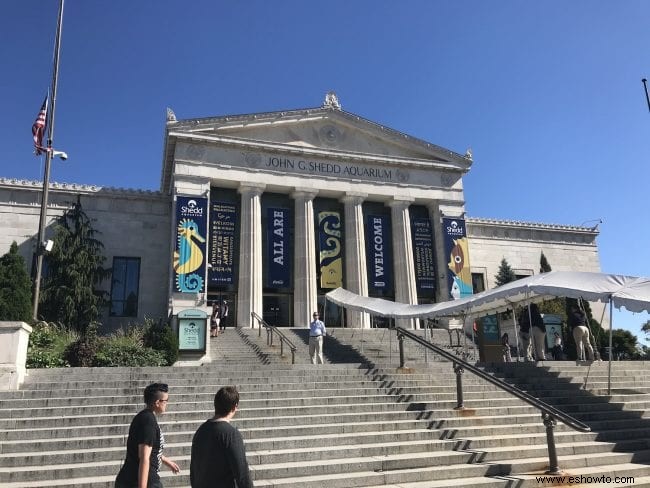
{"x": 38, "y": 129}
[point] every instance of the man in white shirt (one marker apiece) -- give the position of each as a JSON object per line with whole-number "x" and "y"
{"x": 316, "y": 333}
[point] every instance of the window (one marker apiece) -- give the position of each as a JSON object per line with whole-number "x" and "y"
{"x": 478, "y": 282}
{"x": 124, "y": 287}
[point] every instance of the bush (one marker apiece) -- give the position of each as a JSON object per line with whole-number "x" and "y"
{"x": 123, "y": 351}
{"x": 147, "y": 344}
{"x": 161, "y": 337}
{"x": 82, "y": 351}
{"x": 47, "y": 345}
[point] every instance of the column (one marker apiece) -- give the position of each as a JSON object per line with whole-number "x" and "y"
{"x": 249, "y": 293}
{"x": 404, "y": 266}
{"x": 442, "y": 287}
{"x": 356, "y": 273}
{"x": 304, "y": 262}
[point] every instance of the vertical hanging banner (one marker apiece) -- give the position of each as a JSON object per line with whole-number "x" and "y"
{"x": 223, "y": 229}
{"x": 189, "y": 254}
{"x": 329, "y": 240}
{"x": 459, "y": 279}
{"x": 425, "y": 275}
{"x": 379, "y": 258}
{"x": 278, "y": 257}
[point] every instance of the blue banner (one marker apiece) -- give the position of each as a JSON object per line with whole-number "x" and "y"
{"x": 223, "y": 229}
{"x": 378, "y": 253}
{"x": 423, "y": 255}
{"x": 189, "y": 254}
{"x": 278, "y": 255}
{"x": 459, "y": 277}
{"x": 329, "y": 242}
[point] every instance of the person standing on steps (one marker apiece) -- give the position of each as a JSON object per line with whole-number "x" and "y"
{"x": 145, "y": 444}
{"x": 316, "y": 333}
{"x": 578, "y": 324}
{"x": 218, "y": 454}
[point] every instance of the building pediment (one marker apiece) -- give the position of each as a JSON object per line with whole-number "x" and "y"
{"x": 322, "y": 130}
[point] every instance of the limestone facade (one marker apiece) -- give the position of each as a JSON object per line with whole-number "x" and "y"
{"x": 320, "y": 158}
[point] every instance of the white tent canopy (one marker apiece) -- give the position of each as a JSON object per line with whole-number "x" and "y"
{"x": 623, "y": 291}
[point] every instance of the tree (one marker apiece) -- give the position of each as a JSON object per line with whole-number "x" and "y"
{"x": 15, "y": 287}
{"x": 624, "y": 344}
{"x": 544, "y": 267}
{"x": 505, "y": 274}
{"x": 70, "y": 293}
{"x": 645, "y": 328}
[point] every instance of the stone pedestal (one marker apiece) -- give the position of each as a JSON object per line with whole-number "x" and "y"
{"x": 14, "y": 339}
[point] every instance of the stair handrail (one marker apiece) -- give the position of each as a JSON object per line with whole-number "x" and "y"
{"x": 550, "y": 414}
{"x": 270, "y": 330}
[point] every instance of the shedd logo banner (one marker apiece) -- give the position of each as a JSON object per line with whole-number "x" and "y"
{"x": 459, "y": 279}
{"x": 189, "y": 255}
{"x": 329, "y": 240}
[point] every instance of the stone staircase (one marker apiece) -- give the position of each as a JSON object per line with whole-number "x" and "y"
{"x": 356, "y": 421}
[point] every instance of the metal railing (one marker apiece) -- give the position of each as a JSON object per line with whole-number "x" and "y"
{"x": 550, "y": 414}
{"x": 270, "y": 331}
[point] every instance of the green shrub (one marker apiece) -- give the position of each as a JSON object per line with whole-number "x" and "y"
{"x": 47, "y": 345}
{"x": 122, "y": 351}
{"x": 161, "y": 337}
{"x": 82, "y": 351}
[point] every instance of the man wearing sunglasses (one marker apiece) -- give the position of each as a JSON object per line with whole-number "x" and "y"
{"x": 145, "y": 444}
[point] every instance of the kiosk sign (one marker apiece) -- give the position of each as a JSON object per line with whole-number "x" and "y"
{"x": 192, "y": 327}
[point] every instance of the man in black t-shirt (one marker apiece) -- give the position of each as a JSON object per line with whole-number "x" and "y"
{"x": 218, "y": 454}
{"x": 145, "y": 444}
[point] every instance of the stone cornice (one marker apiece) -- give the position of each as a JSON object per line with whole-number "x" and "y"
{"x": 531, "y": 225}
{"x": 32, "y": 185}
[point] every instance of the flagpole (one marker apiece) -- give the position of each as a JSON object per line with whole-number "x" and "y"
{"x": 645, "y": 87}
{"x": 48, "y": 160}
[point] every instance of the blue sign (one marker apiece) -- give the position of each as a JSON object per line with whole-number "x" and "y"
{"x": 189, "y": 254}
{"x": 223, "y": 229}
{"x": 378, "y": 253}
{"x": 423, "y": 255}
{"x": 278, "y": 255}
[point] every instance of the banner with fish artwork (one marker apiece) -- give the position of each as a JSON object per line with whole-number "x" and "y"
{"x": 190, "y": 250}
{"x": 329, "y": 241}
{"x": 459, "y": 277}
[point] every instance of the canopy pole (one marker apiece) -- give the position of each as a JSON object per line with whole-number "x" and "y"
{"x": 531, "y": 336}
{"x": 514, "y": 319}
{"x": 609, "y": 364}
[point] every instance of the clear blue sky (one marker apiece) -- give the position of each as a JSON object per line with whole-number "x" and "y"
{"x": 547, "y": 94}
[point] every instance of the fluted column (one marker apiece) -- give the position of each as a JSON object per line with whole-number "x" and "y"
{"x": 356, "y": 272}
{"x": 403, "y": 266}
{"x": 249, "y": 297}
{"x": 442, "y": 287}
{"x": 304, "y": 250}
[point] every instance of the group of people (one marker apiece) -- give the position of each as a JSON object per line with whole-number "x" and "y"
{"x": 218, "y": 317}
{"x": 218, "y": 455}
{"x": 532, "y": 332}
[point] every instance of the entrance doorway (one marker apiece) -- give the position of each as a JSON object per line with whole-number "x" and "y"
{"x": 227, "y": 301}
{"x": 331, "y": 314}
{"x": 277, "y": 309}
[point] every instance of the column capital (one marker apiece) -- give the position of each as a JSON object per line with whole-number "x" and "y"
{"x": 400, "y": 202}
{"x": 306, "y": 193}
{"x": 354, "y": 197}
{"x": 251, "y": 188}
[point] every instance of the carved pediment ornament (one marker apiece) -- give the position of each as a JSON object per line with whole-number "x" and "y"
{"x": 331, "y": 101}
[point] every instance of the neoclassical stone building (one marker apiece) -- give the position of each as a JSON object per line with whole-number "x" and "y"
{"x": 267, "y": 212}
